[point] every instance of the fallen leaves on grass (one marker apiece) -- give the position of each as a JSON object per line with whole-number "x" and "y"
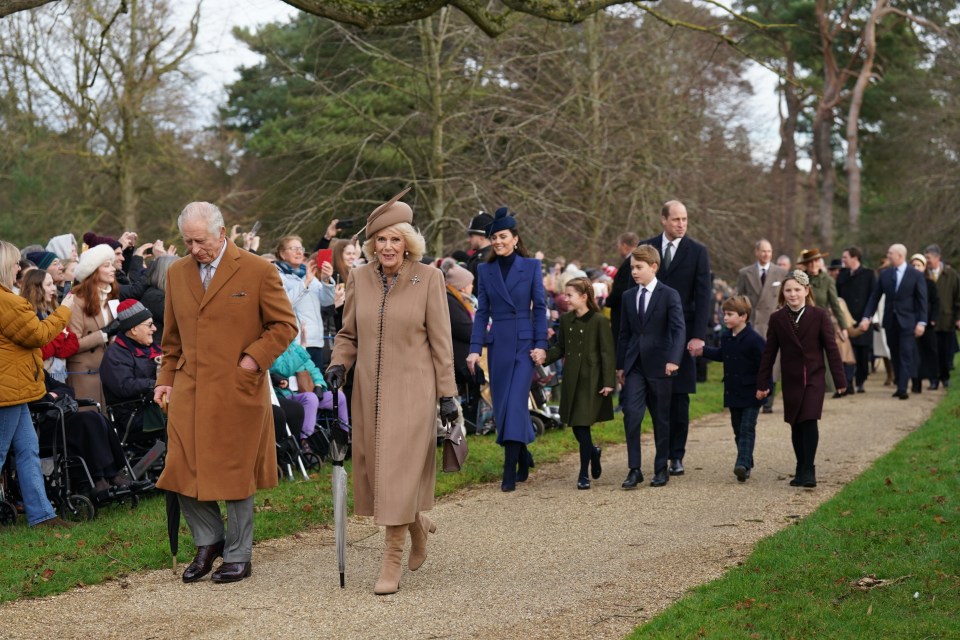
{"x": 868, "y": 582}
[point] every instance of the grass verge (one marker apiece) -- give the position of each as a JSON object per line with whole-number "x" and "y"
{"x": 40, "y": 562}
{"x": 896, "y": 523}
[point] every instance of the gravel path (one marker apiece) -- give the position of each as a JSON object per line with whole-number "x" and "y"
{"x": 545, "y": 562}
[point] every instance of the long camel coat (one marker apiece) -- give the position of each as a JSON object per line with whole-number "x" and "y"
{"x": 221, "y": 443}
{"x": 401, "y": 350}
{"x": 83, "y": 367}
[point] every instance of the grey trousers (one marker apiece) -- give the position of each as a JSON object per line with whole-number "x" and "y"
{"x": 206, "y": 525}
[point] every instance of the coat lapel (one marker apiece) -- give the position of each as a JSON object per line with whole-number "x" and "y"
{"x": 496, "y": 278}
{"x": 677, "y": 255}
{"x": 654, "y": 301}
{"x": 224, "y": 271}
{"x": 754, "y": 279}
{"x": 515, "y": 275}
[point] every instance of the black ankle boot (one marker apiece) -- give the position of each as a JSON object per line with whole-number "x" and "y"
{"x": 524, "y": 464}
{"x": 796, "y": 477}
{"x": 808, "y": 477}
{"x": 511, "y": 451}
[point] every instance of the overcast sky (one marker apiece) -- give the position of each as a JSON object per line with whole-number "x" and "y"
{"x": 219, "y": 54}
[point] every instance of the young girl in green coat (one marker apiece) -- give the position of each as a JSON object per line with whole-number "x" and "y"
{"x": 589, "y": 371}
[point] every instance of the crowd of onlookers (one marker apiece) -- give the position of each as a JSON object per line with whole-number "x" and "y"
{"x": 115, "y": 287}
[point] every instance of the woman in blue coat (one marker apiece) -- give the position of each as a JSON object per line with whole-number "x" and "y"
{"x": 510, "y": 298}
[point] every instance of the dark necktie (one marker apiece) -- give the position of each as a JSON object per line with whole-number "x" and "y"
{"x": 763, "y": 277}
{"x": 668, "y": 256}
{"x": 207, "y": 274}
{"x": 641, "y": 303}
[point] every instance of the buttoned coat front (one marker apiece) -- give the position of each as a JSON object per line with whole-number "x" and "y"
{"x": 83, "y": 367}
{"x": 802, "y": 364}
{"x": 518, "y": 311}
{"x": 586, "y": 344}
{"x": 401, "y": 351}
{"x": 221, "y": 443}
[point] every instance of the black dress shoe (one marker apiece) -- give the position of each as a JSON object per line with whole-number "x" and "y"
{"x": 859, "y": 389}
{"x": 741, "y": 472}
{"x": 232, "y": 572}
{"x": 595, "y": 468}
{"x": 203, "y": 561}
{"x": 676, "y": 468}
{"x": 632, "y": 479}
{"x": 933, "y": 386}
{"x": 837, "y": 394}
{"x": 659, "y": 479}
{"x": 583, "y": 483}
{"x": 903, "y": 395}
{"x": 767, "y": 410}
{"x": 506, "y": 487}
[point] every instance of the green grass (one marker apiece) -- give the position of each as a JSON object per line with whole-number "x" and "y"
{"x": 39, "y": 562}
{"x": 898, "y": 522}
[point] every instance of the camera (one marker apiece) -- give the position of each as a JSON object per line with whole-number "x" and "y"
{"x": 344, "y": 224}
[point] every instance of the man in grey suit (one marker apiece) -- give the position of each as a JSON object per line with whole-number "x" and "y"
{"x": 760, "y": 283}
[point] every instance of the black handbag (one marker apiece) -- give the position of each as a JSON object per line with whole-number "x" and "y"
{"x": 64, "y": 404}
{"x": 454, "y": 442}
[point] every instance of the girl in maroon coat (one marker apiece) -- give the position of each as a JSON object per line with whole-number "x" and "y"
{"x": 802, "y": 333}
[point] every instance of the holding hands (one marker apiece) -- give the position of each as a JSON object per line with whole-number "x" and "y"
{"x": 539, "y": 356}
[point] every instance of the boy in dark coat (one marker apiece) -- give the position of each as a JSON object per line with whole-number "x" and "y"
{"x": 740, "y": 351}
{"x": 651, "y": 346}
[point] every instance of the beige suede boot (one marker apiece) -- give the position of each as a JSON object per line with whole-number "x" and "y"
{"x": 390, "y": 568}
{"x": 418, "y": 540}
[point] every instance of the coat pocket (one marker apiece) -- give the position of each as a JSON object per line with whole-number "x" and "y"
{"x": 248, "y": 381}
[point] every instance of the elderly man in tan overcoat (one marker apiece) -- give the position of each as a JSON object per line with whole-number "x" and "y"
{"x": 227, "y": 319}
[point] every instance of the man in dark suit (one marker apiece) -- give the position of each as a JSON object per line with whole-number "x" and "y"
{"x": 904, "y": 314}
{"x": 855, "y": 285}
{"x": 684, "y": 267}
{"x": 948, "y": 290}
{"x": 651, "y": 347}
{"x": 626, "y": 243}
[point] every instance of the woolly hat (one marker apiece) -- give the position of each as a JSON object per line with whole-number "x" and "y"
{"x": 130, "y": 313}
{"x": 90, "y": 261}
{"x": 502, "y": 219}
{"x": 478, "y": 226}
{"x": 455, "y": 275}
{"x": 42, "y": 259}
{"x": 919, "y": 257}
{"x": 388, "y": 214}
{"x": 93, "y": 240}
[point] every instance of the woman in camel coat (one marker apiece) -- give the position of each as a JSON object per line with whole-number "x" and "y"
{"x": 396, "y": 336}
{"x": 95, "y": 286}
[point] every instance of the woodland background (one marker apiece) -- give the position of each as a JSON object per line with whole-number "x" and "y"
{"x": 582, "y": 123}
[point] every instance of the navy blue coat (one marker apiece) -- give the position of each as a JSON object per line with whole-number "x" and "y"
{"x": 908, "y": 304}
{"x": 689, "y": 275}
{"x": 518, "y": 311}
{"x": 661, "y": 337}
{"x": 741, "y": 356}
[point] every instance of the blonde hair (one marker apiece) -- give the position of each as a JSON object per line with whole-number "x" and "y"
{"x": 414, "y": 243}
{"x": 9, "y": 259}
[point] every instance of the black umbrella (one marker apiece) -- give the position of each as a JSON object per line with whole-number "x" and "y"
{"x": 173, "y": 525}
{"x": 339, "y": 443}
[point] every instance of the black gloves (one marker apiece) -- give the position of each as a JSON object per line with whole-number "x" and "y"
{"x": 336, "y": 375}
{"x": 448, "y": 410}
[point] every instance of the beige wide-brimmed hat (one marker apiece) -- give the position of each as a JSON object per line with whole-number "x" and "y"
{"x": 388, "y": 214}
{"x": 809, "y": 255}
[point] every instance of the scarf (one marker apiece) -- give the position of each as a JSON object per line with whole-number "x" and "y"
{"x": 459, "y": 296}
{"x": 795, "y": 316}
{"x": 137, "y": 349}
{"x": 300, "y": 272}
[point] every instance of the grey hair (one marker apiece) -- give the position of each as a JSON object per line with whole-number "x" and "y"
{"x": 207, "y": 212}
{"x": 414, "y": 243}
{"x": 933, "y": 249}
{"x": 899, "y": 248}
{"x": 756, "y": 246}
{"x": 9, "y": 259}
{"x": 157, "y": 271}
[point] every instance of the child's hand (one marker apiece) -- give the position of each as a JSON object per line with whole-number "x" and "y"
{"x": 284, "y": 384}
{"x": 606, "y": 391}
{"x": 671, "y": 368}
{"x": 762, "y": 394}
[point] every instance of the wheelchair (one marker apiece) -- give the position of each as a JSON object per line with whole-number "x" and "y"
{"x": 145, "y": 445}
{"x": 67, "y": 478}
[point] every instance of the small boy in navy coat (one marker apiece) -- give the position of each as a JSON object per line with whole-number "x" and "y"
{"x": 740, "y": 351}
{"x": 652, "y": 340}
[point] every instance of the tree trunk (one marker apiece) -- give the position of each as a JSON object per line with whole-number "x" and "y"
{"x": 784, "y": 233}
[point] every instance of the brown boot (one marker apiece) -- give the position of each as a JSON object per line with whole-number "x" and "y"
{"x": 390, "y": 569}
{"x": 418, "y": 540}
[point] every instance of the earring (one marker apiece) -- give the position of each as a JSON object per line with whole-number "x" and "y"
{"x": 406, "y": 253}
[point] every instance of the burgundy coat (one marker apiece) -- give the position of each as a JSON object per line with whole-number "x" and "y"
{"x": 801, "y": 361}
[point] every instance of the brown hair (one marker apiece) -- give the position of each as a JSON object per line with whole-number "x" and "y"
{"x": 646, "y": 253}
{"x": 583, "y": 286}
{"x": 338, "y": 245}
{"x": 790, "y": 276}
{"x": 32, "y": 289}
{"x": 738, "y": 304}
{"x": 520, "y": 249}
{"x": 88, "y": 292}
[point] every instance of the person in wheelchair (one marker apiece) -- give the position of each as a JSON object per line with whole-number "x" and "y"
{"x": 129, "y": 368}
{"x": 312, "y": 393}
{"x": 89, "y": 436}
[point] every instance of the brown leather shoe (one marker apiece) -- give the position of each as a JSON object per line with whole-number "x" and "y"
{"x": 57, "y": 522}
{"x": 203, "y": 561}
{"x": 232, "y": 572}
